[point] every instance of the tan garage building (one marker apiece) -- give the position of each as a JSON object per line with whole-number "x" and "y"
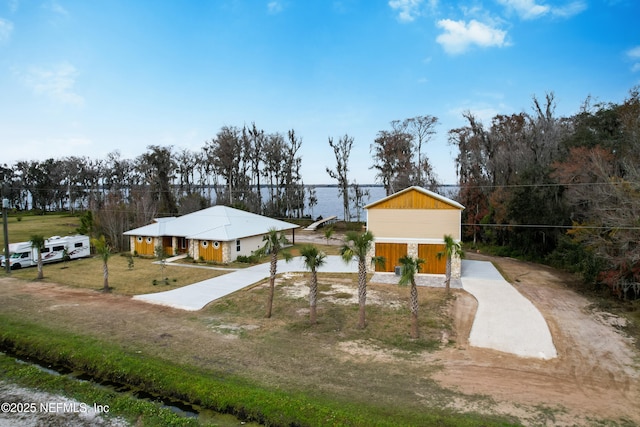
{"x": 414, "y": 222}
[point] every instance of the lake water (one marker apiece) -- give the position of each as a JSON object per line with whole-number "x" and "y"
{"x": 330, "y": 202}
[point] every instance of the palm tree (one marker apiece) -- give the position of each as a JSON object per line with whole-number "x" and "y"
{"x": 313, "y": 258}
{"x": 104, "y": 251}
{"x": 328, "y": 233}
{"x": 274, "y": 241}
{"x": 410, "y": 266}
{"x": 451, "y": 249}
{"x": 37, "y": 243}
{"x": 357, "y": 245}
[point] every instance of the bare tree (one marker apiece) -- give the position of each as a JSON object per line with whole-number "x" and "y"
{"x": 341, "y": 151}
{"x": 422, "y": 128}
{"x": 158, "y": 167}
{"x": 391, "y": 152}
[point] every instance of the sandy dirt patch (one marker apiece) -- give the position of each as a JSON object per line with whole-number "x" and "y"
{"x": 596, "y": 374}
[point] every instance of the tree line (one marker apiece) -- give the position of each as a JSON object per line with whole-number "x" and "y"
{"x": 565, "y": 190}
{"x": 560, "y": 189}
{"x": 245, "y": 167}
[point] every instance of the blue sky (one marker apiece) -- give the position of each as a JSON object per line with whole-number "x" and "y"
{"x": 86, "y": 78}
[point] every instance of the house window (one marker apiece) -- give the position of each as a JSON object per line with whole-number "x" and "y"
{"x": 149, "y": 239}
{"x": 237, "y": 245}
{"x": 216, "y": 245}
{"x": 139, "y": 239}
{"x": 205, "y": 243}
{"x": 183, "y": 243}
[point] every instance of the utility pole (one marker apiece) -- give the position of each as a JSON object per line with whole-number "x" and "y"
{"x": 5, "y": 207}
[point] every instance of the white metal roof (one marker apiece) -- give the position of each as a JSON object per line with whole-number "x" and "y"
{"x": 215, "y": 223}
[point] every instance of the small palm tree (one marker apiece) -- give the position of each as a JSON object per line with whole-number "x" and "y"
{"x": 451, "y": 249}
{"x": 274, "y": 241}
{"x": 104, "y": 252}
{"x": 37, "y": 243}
{"x": 328, "y": 233}
{"x": 357, "y": 245}
{"x": 313, "y": 258}
{"x": 411, "y": 266}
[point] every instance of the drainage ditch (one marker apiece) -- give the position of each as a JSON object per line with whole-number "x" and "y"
{"x": 183, "y": 409}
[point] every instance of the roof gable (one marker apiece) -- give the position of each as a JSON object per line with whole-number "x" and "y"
{"x": 415, "y": 198}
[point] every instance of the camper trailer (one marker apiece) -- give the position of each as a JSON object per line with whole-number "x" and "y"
{"x": 55, "y": 248}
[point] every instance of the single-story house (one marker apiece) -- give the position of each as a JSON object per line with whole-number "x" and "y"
{"x": 218, "y": 233}
{"x": 414, "y": 222}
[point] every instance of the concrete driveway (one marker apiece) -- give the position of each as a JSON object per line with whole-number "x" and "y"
{"x": 195, "y": 297}
{"x": 505, "y": 320}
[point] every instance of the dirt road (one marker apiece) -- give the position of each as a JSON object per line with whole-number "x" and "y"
{"x": 596, "y": 374}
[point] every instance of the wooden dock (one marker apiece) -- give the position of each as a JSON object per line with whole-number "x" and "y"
{"x": 317, "y": 224}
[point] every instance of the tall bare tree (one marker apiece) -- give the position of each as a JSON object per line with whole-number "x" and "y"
{"x": 158, "y": 166}
{"x": 422, "y": 128}
{"x": 391, "y": 152}
{"x": 341, "y": 151}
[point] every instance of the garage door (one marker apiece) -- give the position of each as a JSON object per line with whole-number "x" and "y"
{"x": 432, "y": 265}
{"x": 391, "y": 252}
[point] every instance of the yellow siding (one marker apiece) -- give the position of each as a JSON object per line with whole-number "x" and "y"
{"x": 144, "y": 245}
{"x": 391, "y": 252}
{"x": 432, "y": 264}
{"x": 414, "y": 223}
{"x": 412, "y": 199}
{"x": 209, "y": 252}
{"x": 167, "y": 245}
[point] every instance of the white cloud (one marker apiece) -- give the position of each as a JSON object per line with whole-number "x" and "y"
{"x": 56, "y": 82}
{"x": 407, "y": 10}
{"x": 526, "y": 9}
{"x": 6, "y": 28}
{"x": 274, "y": 7}
{"x": 569, "y": 10}
{"x": 458, "y": 36}
{"x": 530, "y": 9}
{"x": 634, "y": 55}
{"x": 56, "y": 8}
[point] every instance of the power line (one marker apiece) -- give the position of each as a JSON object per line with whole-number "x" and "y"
{"x": 566, "y": 227}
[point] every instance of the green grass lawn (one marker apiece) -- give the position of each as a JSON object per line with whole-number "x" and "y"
{"x": 22, "y": 227}
{"x": 87, "y": 273}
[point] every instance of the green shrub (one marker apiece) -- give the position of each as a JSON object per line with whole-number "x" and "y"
{"x": 251, "y": 259}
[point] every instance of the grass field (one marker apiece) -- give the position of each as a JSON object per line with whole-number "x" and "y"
{"x": 280, "y": 371}
{"x": 22, "y": 227}
{"x": 87, "y": 273}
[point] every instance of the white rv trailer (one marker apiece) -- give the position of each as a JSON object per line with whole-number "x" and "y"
{"x": 24, "y": 255}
